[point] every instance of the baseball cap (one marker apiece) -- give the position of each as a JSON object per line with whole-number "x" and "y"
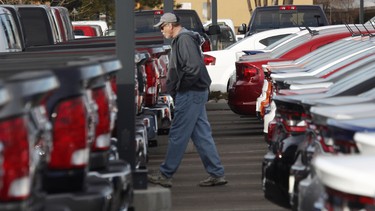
{"x": 167, "y": 18}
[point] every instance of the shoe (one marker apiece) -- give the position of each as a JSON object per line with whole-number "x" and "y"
{"x": 213, "y": 181}
{"x": 158, "y": 178}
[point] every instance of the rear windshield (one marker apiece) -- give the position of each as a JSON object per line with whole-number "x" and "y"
{"x": 276, "y": 18}
{"x": 144, "y": 22}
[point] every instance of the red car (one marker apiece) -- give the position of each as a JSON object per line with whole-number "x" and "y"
{"x": 246, "y": 89}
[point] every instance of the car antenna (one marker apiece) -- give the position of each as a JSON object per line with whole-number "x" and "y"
{"x": 360, "y": 32}
{"x": 368, "y": 32}
{"x": 350, "y": 30}
{"x": 372, "y": 24}
{"x": 317, "y": 19}
{"x": 312, "y": 32}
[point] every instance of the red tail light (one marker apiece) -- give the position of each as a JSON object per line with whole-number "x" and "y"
{"x": 288, "y": 7}
{"x": 112, "y": 80}
{"x": 209, "y": 60}
{"x": 102, "y": 131}
{"x": 152, "y": 85}
{"x": 294, "y": 122}
{"x": 346, "y": 146}
{"x": 247, "y": 72}
{"x": 70, "y": 140}
{"x": 15, "y": 178}
{"x": 206, "y": 46}
{"x": 338, "y": 200}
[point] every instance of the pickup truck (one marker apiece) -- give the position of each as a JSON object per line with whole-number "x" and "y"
{"x": 24, "y": 137}
{"x": 74, "y": 110}
{"x": 153, "y": 66}
{"x": 283, "y": 16}
{"x": 40, "y": 24}
{"x": 83, "y": 97}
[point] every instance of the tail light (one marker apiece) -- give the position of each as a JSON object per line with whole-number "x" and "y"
{"x": 112, "y": 80}
{"x": 267, "y": 100}
{"x": 151, "y": 87}
{"x": 209, "y": 60}
{"x": 206, "y": 46}
{"x": 338, "y": 200}
{"x": 346, "y": 146}
{"x": 247, "y": 72}
{"x": 288, "y": 7}
{"x": 294, "y": 122}
{"x": 70, "y": 135}
{"x": 15, "y": 178}
{"x": 102, "y": 131}
{"x": 163, "y": 99}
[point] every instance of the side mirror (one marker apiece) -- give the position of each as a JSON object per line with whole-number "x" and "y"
{"x": 242, "y": 28}
{"x": 214, "y": 29}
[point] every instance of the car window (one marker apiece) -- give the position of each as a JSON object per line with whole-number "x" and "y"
{"x": 144, "y": 22}
{"x": 270, "y": 40}
{"x": 189, "y": 22}
{"x": 273, "y": 45}
{"x": 293, "y": 16}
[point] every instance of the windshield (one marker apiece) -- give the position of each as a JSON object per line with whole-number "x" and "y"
{"x": 144, "y": 22}
{"x": 274, "y": 18}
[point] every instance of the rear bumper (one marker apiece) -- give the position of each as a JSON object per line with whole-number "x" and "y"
{"x": 118, "y": 173}
{"x": 242, "y": 100}
{"x": 96, "y": 196}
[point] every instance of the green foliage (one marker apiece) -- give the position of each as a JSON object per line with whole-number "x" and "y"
{"x": 150, "y": 3}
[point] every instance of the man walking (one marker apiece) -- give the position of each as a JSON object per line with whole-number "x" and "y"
{"x": 188, "y": 82}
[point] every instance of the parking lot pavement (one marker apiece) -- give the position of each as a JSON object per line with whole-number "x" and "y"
{"x": 240, "y": 144}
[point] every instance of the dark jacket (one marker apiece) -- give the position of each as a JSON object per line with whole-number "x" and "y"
{"x": 187, "y": 70}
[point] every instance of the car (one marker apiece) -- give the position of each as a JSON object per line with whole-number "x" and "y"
{"x": 274, "y": 17}
{"x": 226, "y": 22}
{"x": 242, "y": 96}
{"x": 103, "y": 25}
{"x": 298, "y": 131}
{"x": 318, "y": 69}
{"x": 225, "y": 38}
{"x": 347, "y": 182}
{"x": 221, "y": 63}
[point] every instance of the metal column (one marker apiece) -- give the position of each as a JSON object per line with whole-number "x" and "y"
{"x": 125, "y": 49}
{"x": 214, "y": 22}
{"x": 361, "y": 12}
{"x": 168, "y": 6}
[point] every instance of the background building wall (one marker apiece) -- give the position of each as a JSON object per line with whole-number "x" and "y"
{"x": 237, "y": 10}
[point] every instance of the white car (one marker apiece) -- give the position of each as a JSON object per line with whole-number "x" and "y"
{"x": 221, "y": 63}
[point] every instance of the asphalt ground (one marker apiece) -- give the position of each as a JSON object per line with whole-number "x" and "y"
{"x": 241, "y": 146}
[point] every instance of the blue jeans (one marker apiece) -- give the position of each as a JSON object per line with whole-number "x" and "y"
{"x": 190, "y": 121}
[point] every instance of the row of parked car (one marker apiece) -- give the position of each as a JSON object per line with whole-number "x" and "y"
{"x": 313, "y": 90}
{"x": 58, "y": 111}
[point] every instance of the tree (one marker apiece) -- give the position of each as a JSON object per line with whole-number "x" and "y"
{"x": 339, "y": 11}
{"x": 152, "y": 4}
